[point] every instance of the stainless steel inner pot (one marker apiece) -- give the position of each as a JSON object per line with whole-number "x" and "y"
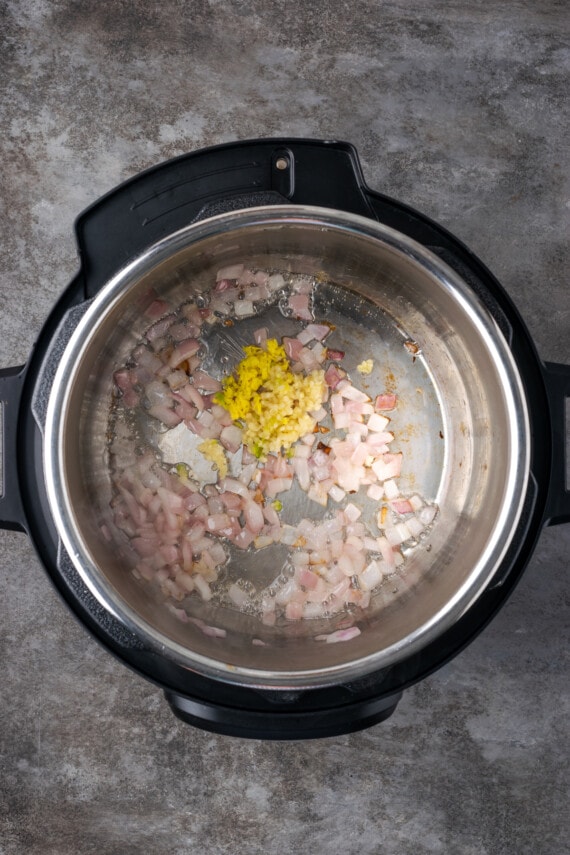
{"x": 462, "y": 424}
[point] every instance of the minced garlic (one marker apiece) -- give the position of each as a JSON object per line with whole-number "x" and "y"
{"x": 366, "y": 366}
{"x": 212, "y": 450}
{"x": 272, "y": 404}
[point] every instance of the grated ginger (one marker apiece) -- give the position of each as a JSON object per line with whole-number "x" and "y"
{"x": 365, "y": 367}
{"x": 212, "y": 450}
{"x": 272, "y": 404}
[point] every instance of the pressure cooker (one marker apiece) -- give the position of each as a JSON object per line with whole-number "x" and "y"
{"x": 480, "y": 423}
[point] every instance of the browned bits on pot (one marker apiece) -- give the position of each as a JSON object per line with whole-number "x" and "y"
{"x": 389, "y": 382}
{"x": 412, "y": 348}
{"x": 321, "y": 277}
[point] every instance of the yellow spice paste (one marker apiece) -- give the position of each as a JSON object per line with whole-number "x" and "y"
{"x": 271, "y": 403}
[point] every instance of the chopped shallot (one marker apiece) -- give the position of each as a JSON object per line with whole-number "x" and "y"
{"x": 182, "y": 530}
{"x": 339, "y": 635}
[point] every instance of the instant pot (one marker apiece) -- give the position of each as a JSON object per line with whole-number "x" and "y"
{"x": 483, "y": 418}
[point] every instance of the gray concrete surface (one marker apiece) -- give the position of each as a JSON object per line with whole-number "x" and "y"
{"x": 459, "y": 109}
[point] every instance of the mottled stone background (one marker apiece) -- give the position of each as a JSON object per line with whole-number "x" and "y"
{"x": 459, "y": 109}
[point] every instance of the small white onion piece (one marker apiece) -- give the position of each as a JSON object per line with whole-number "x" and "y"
{"x": 351, "y": 393}
{"x": 243, "y": 308}
{"x": 371, "y": 576}
{"x": 213, "y": 631}
{"x": 391, "y": 490}
{"x": 415, "y": 526}
{"x": 232, "y": 271}
{"x": 377, "y": 423}
{"x": 202, "y": 587}
{"x": 253, "y": 516}
{"x": 427, "y": 515}
{"x": 339, "y": 635}
{"x": 232, "y": 485}
{"x": 375, "y": 492}
{"x": 336, "y": 493}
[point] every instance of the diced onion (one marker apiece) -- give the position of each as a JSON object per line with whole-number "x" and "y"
{"x": 181, "y": 530}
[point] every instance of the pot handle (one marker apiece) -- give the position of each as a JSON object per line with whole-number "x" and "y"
{"x": 170, "y": 196}
{"x": 276, "y": 722}
{"x": 557, "y": 377}
{"x": 12, "y": 515}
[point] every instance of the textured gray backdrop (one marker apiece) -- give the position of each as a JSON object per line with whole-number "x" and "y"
{"x": 459, "y": 109}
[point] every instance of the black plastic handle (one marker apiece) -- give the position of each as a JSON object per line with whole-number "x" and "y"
{"x": 291, "y": 724}
{"x": 12, "y": 515}
{"x": 168, "y": 197}
{"x": 557, "y": 377}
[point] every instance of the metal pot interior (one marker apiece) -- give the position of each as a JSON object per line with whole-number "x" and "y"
{"x": 461, "y": 423}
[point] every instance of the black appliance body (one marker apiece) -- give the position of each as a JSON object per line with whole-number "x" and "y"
{"x": 133, "y": 217}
